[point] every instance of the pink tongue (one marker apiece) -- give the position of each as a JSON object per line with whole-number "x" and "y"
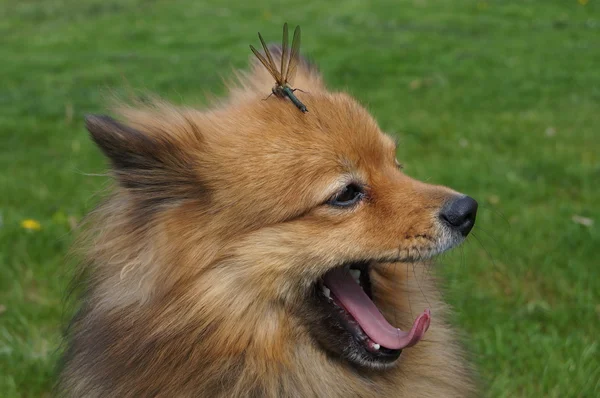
{"x": 364, "y": 311}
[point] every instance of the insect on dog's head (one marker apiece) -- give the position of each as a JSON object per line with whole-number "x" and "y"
{"x": 255, "y": 203}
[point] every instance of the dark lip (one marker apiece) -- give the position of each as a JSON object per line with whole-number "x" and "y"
{"x": 383, "y": 355}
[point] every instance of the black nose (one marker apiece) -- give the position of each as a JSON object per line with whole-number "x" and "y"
{"x": 460, "y": 214}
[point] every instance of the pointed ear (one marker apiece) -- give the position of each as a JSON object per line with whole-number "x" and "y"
{"x": 154, "y": 168}
{"x": 125, "y": 147}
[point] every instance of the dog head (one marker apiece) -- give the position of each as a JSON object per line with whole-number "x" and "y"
{"x": 254, "y": 222}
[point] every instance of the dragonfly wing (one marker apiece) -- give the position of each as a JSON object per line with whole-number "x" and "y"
{"x": 294, "y": 57}
{"x": 284, "y": 52}
{"x": 266, "y": 63}
{"x": 273, "y": 68}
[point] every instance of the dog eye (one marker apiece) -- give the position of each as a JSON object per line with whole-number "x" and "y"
{"x": 350, "y": 195}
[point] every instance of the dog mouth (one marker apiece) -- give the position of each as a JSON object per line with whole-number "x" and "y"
{"x": 359, "y": 330}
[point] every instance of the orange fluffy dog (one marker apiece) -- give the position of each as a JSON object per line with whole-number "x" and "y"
{"x": 252, "y": 250}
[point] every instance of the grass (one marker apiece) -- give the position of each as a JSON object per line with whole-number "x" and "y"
{"x": 497, "y": 99}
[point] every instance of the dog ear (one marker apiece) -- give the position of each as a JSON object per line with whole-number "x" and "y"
{"x": 125, "y": 147}
{"x": 151, "y": 166}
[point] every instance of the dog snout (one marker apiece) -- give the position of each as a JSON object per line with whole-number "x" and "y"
{"x": 459, "y": 214}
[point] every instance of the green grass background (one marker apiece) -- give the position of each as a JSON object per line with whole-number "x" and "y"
{"x": 498, "y": 99}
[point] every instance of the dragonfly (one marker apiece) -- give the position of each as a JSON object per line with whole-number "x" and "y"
{"x": 289, "y": 62}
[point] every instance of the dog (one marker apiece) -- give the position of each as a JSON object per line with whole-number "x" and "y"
{"x": 252, "y": 250}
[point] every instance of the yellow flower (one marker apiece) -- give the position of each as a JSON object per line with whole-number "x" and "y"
{"x": 31, "y": 225}
{"x": 583, "y": 2}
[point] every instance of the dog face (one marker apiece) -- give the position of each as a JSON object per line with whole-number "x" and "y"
{"x": 331, "y": 205}
{"x": 268, "y": 228}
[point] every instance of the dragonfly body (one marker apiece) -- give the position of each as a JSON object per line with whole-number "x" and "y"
{"x": 289, "y": 61}
{"x": 287, "y": 91}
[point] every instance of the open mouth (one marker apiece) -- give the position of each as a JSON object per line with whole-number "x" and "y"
{"x": 346, "y": 296}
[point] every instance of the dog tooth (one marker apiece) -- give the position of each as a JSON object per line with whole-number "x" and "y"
{"x": 326, "y": 292}
{"x": 355, "y": 274}
{"x": 376, "y": 346}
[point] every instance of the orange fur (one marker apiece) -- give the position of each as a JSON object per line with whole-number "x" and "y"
{"x": 198, "y": 263}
